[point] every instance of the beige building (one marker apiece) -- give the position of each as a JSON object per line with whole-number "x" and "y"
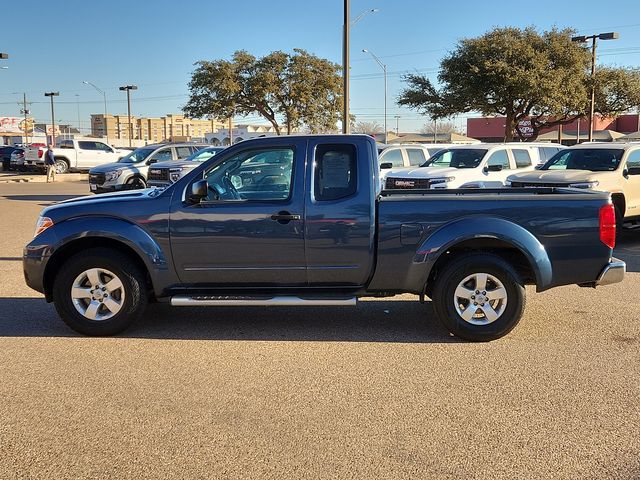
{"x": 171, "y": 127}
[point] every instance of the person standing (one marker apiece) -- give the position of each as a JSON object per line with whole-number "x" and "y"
{"x": 50, "y": 162}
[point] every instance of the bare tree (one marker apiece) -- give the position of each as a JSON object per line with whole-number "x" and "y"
{"x": 368, "y": 127}
{"x": 439, "y": 127}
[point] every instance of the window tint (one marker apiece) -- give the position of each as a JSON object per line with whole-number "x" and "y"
{"x": 633, "y": 160}
{"x": 88, "y": 146}
{"x": 416, "y": 156}
{"x": 457, "y": 158}
{"x": 499, "y": 157}
{"x": 163, "y": 155}
{"x": 593, "y": 159}
{"x": 522, "y": 157}
{"x": 335, "y": 173}
{"x": 69, "y": 144}
{"x": 183, "y": 152}
{"x": 103, "y": 146}
{"x": 393, "y": 156}
{"x": 258, "y": 175}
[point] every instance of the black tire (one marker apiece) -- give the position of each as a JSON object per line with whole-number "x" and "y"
{"x": 61, "y": 166}
{"x": 136, "y": 183}
{"x": 133, "y": 285}
{"x": 444, "y": 300}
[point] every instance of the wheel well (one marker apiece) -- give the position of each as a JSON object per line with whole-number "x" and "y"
{"x": 619, "y": 202}
{"x": 75, "y": 246}
{"x": 63, "y": 158}
{"x": 497, "y": 247}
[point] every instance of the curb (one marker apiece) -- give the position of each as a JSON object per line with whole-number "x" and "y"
{"x": 66, "y": 177}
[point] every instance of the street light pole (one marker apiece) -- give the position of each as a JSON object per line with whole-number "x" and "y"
{"x": 128, "y": 89}
{"x": 384, "y": 71}
{"x": 104, "y": 97}
{"x": 53, "y": 116}
{"x": 593, "y": 38}
{"x": 345, "y": 68}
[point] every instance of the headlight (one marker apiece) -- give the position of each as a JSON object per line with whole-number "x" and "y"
{"x": 175, "y": 173}
{"x": 593, "y": 184}
{"x": 441, "y": 180}
{"x": 507, "y": 183}
{"x": 112, "y": 175}
{"x": 41, "y": 225}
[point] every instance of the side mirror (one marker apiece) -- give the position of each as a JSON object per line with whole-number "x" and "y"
{"x": 152, "y": 160}
{"x": 386, "y": 166}
{"x": 633, "y": 171}
{"x": 539, "y": 167}
{"x": 493, "y": 168}
{"x": 199, "y": 190}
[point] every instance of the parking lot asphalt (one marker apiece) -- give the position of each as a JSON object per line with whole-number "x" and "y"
{"x": 379, "y": 391}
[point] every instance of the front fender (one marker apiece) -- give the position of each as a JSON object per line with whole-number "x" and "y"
{"x": 464, "y": 229}
{"x": 41, "y": 252}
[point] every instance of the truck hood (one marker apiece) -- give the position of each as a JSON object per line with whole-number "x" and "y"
{"x": 98, "y": 200}
{"x": 109, "y": 167}
{"x": 175, "y": 164}
{"x": 556, "y": 176}
{"x": 424, "y": 172}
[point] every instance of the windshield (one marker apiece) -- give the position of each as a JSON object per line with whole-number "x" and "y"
{"x": 457, "y": 158}
{"x": 205, "y": 154}
{"x": 138, "y": 155}
{"x": 593, "y": 159}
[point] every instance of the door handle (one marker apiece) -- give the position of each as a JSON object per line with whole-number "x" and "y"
{"x": 285, "y": 217}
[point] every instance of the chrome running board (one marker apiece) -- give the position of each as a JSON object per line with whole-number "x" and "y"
{"x": 259, "y": 301}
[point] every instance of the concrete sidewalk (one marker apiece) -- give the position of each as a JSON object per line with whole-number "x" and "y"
{"x": 16, "y": 177}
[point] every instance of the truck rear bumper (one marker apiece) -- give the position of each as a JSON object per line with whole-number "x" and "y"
{"x": 612, "y": 273}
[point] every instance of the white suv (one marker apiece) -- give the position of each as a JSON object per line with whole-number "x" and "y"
{"x": 471, "y": 166}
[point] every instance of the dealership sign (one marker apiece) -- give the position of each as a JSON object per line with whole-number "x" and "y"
{"x": 525, "y": 128}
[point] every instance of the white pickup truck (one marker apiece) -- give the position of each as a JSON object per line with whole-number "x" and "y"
{"x": 73, "y": 155}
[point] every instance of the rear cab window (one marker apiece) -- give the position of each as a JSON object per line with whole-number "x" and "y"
{"x": 335, "y": 172}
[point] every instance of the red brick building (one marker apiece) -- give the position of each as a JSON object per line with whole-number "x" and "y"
{"x": 491, "y": 129}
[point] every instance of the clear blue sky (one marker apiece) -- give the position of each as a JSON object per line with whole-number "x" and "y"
{"x": 154, "y": 45}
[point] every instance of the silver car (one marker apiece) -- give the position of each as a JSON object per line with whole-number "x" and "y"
{"x": 165, "y": 173}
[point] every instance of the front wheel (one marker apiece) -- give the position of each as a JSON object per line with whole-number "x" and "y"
{"x": 99, "y": 291}
{"x": 136, "y": 183}
{"x": 479, "y": 297}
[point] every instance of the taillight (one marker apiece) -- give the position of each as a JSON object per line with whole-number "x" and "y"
{"x": 608, "y": 225}
{"x": 40, "y": 153}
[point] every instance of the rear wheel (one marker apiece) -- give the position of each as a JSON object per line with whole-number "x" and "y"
{"x": 479, "y": 297}
{"x": 99, "y": 292}
{"x": 61, "y": 166}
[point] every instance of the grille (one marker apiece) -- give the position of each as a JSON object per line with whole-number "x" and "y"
{"x": 97, "y": 178}
{"x": 406, "y": 183}
{"x": 159, "y": 174}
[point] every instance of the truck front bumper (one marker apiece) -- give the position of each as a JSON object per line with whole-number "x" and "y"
{"x": 612, "y": 273}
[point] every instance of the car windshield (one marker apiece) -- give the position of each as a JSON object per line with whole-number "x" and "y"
{"x": 457, "y": 158}
{"x": 205, "y": 154}
{"x": 593, "y": 159}
{"x": 138, "y": 155}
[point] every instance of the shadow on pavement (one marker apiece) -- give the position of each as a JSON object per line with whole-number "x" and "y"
{"x": 405, "y": 322}
{"x": 628, "y": 249}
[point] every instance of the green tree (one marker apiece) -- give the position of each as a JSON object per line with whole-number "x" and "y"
{"x": 288, "y": 90}
{"x": 519, "y": 73}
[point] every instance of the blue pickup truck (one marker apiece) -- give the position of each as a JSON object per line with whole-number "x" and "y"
{"x": 300, "y": 220}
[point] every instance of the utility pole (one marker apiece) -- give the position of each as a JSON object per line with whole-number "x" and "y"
{"x": 593, "y": 38}
{"x": 578, "y": 132}
{"x": 230, "y": 131}
{"x": 25, "y": 111}
{"x": 435, "y": 131}
{"x": 128, "y": 89}
{"x": 78, "y": 108}
{"x": 53, "y": 116}
{"x": 345, "y": 69}
{"x": 397, "y": 117}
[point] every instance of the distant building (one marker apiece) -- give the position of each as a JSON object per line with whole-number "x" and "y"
{"x": 171, "y": 127}
{"x": 240, "y": 133}
{"x": 491, "y": 129}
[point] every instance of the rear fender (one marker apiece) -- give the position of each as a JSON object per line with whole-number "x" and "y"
{"x": 468, "y": 229}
